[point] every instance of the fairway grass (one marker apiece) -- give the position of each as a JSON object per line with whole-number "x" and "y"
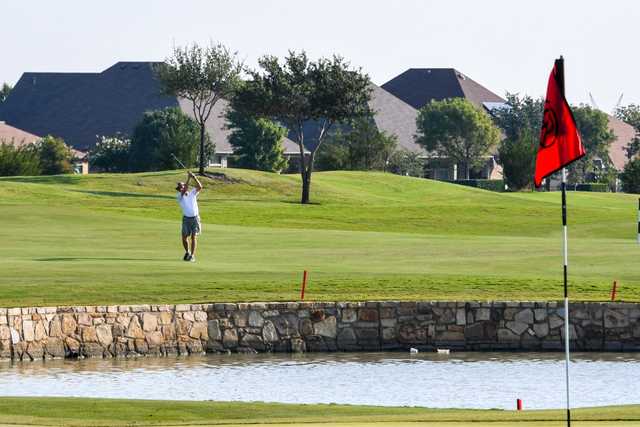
{"x": 111, "y": 239}
{"x": 113, "y": 412}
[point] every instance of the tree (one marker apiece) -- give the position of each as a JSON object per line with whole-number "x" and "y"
{"x": 630, "y": 114}
{"x": 520, "y": 121}
{"x": 404, "y": 162}
{"x": 4, "y": 91}
{"x": 55, "y": 157}
{"x": 361, "y": 146}
{"x": 518, "y": 160}
{"x": 596, "y": 136}
{"x": 203, "y": 77}
{"x": 300, "y": 91}
{"x": 18, "y": 160}
{"x": 111, "y": 154}
{"x": 456, "y": 129}
{"x": 630, "y": 177}
{"x": 257, "y": 142}
{"x": 161, "y": 133}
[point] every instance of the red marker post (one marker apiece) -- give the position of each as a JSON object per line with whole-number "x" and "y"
{"x": 519, "y": 404}
{"x": 304, "y": 285}
{"x": 613, "y": 290}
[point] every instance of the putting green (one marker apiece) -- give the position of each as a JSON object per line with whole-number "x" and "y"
{"x": 106, "y": 239}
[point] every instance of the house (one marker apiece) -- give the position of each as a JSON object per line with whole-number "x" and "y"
{"x": 18, "y": 137}
{"x": 625, "y": 134}
{"x": 78, "y": 107}
{"x": 419, "y": 86}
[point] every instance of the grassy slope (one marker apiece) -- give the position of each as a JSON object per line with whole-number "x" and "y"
{"x": 107, "y": 412}
{"x": 114, "y": 239}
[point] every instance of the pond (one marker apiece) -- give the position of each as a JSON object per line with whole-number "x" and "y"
{"x": 461, "y": 380}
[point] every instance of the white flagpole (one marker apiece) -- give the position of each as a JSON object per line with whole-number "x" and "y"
{"x": 566, "y": 293}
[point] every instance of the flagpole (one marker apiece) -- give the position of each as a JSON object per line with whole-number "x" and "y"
{"x": 565, "y": 251}
{"x": 566, "y": 292}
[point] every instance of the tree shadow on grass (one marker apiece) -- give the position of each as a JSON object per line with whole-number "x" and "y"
{"x": 124, "y": 194}
{"x": 56, "y": 259}
{"x": 45, "y": 179}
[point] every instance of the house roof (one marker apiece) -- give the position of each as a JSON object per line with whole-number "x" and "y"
{"x": 419, "y": 86}
{"x": 79, "y": 106}
{"x": 14, "y": 136}
{"x": 395, "y": 117}
{"x": 624, "y": 135}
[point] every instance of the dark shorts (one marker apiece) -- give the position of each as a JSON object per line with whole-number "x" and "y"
{"x": 191, "y": 225}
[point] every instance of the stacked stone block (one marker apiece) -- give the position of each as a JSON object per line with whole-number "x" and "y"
{"x": 182, "y": 329}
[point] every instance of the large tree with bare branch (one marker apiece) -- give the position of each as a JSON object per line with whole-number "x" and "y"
{"x": 202, "y": 76}
{"x": 300, "y": 91}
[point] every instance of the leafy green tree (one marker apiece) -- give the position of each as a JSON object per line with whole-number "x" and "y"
{"x": 360, "y": 146}
{"x": 257, "y": 142}
{"x": 111, "y": 154}
{"x": 456, "y": 129}
{"x": 520, "y": 121}
{"x": 593, "y": 126}
{"x": 404, "y": 162}
{"x": 55, "y": 156}
{"x": 203, "y": 76}
{"x": 4, "y": 91}
{"x": 298, "y": 91}
{"x": 630, "y": 177}
{"x": 518, "y": 160}
{"x": 630, "y": 114}
{"x": 18, "y": 161}
{"x": 161, "y": 133}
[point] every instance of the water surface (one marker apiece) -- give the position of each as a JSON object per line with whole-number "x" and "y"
{"x": 462, "y": 380}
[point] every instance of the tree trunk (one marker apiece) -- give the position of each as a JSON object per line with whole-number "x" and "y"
{"x": 202, "y": 165}
{"x": 306, "y": 186}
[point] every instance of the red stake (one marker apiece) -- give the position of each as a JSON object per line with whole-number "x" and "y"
{"x": 304, "y": 285}
{"x": 519, "y": 404}
{"x": 613, "y": 290}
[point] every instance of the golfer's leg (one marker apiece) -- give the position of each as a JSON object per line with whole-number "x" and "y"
{"x": 185, "y": 243}
{"x": 194, "y": 243}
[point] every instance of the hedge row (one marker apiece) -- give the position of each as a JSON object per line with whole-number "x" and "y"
{"x": 485, "y": 184}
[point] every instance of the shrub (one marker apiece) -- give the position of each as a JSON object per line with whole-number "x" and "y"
{"x": 630, "y": 177}
{"x": 596, "y": 187}
{"x": 111, "y": 154}
{"x": 496, "y": 185}
{"x": 18, "y": 161}
{"x": 55, "y": 157}
{"x": 161, "y": 133}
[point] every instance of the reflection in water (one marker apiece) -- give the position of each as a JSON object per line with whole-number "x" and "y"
{"x": 465, "y": 380}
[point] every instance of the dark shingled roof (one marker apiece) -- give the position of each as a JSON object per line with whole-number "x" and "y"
{"x": 79, "y": 106}
{"x": 419, "y": 86}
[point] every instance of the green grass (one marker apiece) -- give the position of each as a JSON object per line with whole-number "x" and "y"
{"x": 112, "y": 412}
{"x": 104, "y": 239}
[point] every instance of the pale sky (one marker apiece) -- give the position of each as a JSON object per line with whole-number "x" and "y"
{"x": 503, "y": 45}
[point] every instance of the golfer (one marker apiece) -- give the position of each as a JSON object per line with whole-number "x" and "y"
{"x": 188, "y": 200}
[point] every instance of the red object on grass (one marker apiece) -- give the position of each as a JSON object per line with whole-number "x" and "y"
{"x": 560, "y": 142}
{"x": 304, "y": 285}
{"x": 519, "y": 404}
{"x": 613, "y": 290}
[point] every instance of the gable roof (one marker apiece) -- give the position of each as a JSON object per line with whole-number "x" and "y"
{"x": 395, "y": 117}
{"x": 14, "y": 136}
{"x": 79, "y": 106}
{"x": 419, "y": 86}
{"x": 625, "y": 133}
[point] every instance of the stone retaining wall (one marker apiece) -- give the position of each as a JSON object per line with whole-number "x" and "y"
{"x": 122, "y": 331}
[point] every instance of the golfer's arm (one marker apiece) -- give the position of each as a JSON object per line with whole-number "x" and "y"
{"x": 198, "y": 183}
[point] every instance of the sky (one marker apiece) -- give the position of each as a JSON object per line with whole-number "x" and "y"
{"x": 507, "y": 46}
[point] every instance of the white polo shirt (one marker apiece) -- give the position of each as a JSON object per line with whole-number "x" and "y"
{"x": 189, "y": 203}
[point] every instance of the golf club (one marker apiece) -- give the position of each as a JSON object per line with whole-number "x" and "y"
{"x": 178, "y": 160}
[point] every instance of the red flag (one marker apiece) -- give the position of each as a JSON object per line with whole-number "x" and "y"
{"x": 560, "y": 142}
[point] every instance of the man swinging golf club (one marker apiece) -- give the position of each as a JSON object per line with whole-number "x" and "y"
{"x": 191, "y": 227}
